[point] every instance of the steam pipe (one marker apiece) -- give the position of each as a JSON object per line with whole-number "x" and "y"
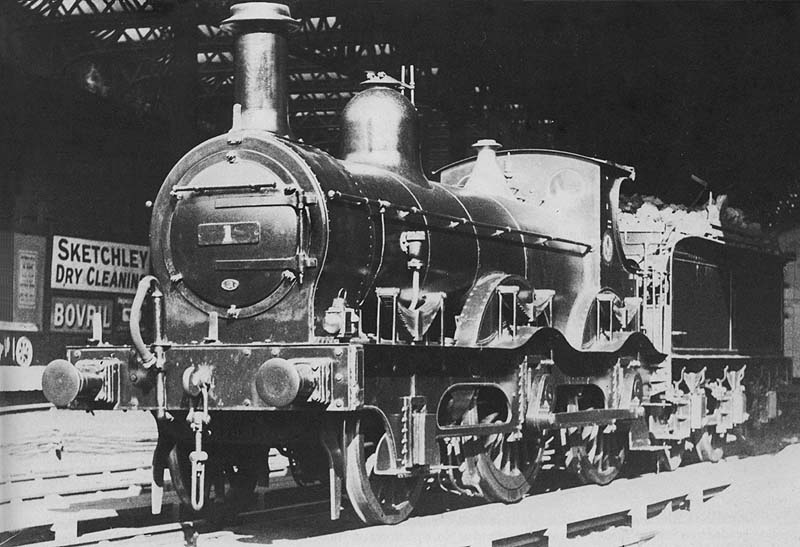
{"x": 147, "y": 356}
{"x": 260, "y": 71}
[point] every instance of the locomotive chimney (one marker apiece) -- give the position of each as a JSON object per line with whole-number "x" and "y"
{"x": 260, "y": 73}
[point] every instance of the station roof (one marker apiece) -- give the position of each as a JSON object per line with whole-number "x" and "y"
{"x": 671, "y": 88}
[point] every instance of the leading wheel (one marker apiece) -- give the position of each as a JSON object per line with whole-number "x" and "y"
{"x": 376, "y": 498}
{"x": 241, "y": 470}
{"x": 597, "y": 452}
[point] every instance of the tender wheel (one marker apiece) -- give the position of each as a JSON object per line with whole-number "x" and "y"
{"x": 671, "y": 458}
{"x": 377, "y": 499}
{"x": 709, "y": 445}
{"x": 597, "y": 452}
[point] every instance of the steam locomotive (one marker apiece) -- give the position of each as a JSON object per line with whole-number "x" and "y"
{"x": 383, "y": 329}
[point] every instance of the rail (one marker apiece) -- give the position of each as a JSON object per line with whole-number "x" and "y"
{"x": 32, "y": 407}
{"x": 118, "y": 510}
{"x": 626, "y": 512}
{"x": 84, "y": 507}
{"x": 621, "y": 513}
{"x": 61, "y": 505}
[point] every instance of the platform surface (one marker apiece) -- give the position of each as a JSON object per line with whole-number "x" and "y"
{"x": 759, "y": 507}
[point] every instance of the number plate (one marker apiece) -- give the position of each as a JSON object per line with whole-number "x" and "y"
{"x": 228, "y": 233}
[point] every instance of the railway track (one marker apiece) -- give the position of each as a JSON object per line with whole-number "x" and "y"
{"x": 72, "y": 503}
{"x": 129, "y": 523}
{"x": 64, "y": 505}
{"x": 114, "y": 507}
{"x": 31, "y": 407}
{"x": 632, "y": 511}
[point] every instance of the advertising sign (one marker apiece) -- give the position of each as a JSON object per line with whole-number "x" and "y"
{"x": 29, "y": 274}
{"x": 75, "y": 314}
{"x": 100, "y": 266}
{"x": 123, "y": 311}
{"x": 22, "y": 354}
{"x": 15, "y": 349}
{"x": 26, "y": 279}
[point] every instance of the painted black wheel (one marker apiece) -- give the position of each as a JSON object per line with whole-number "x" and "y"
{"x": 504, "y": 466}
{"x": 241, "y": 472}
{"x": 234, "y": 480}
{"x": 180, "y": 472}
{"x": 709, "y": 445}
{"x": 672, "y": 456}
{"x": 376, "y": 498}
{"x": 597, "y": 452}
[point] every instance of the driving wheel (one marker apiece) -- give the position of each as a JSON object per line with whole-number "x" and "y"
{"x": 377, "y": 498}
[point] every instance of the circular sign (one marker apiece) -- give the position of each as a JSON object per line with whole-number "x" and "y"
{"x": 24, "y": 351}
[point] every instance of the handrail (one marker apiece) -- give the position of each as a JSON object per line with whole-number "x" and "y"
{"x": 454, "y": 221}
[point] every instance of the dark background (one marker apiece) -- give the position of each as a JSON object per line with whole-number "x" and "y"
{"x": 673, "y": 89}
{"x": 711, "y": 89}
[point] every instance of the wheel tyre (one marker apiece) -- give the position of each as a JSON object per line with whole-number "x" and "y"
{"x": 587, "y": 468}
{"x": 376, "y": 499}
{"x": 500, "y": 485}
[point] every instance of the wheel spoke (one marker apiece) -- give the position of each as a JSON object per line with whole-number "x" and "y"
{"x": 504, "y": 469}
{"x": 501, "y": 466}
{"x": 596, "y": 453}
{"x": 377, "y": 499}
{"x": 592, "y": 454}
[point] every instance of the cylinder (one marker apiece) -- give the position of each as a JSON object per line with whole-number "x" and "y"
{"x": 62, "y": 383}
{"x": 260, "y": 64}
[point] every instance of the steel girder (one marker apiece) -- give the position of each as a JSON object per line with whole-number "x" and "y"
{"x": 128, "y": 51}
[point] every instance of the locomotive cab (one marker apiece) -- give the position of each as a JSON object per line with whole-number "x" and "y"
{"x": 560, "y": 191}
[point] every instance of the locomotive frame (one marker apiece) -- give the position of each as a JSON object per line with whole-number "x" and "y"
{"x": 388, "y": 328}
